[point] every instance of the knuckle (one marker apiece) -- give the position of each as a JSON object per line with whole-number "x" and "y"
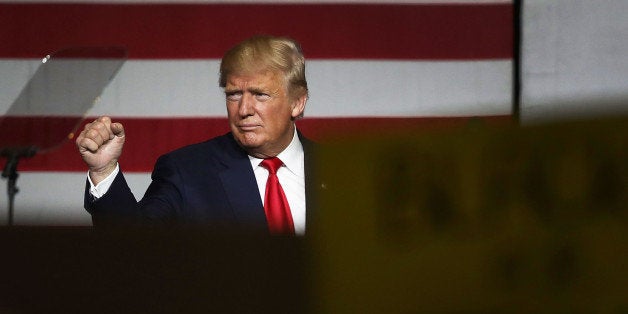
{"x": 104, "y": 120}
{"x": 91, "y": 133}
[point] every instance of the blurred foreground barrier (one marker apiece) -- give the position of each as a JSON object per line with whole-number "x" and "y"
{"x": 149, "y": 270}
{"x": 479, "y": 219}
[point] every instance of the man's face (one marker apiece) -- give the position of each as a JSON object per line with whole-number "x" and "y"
{"x": 261, "y": 113}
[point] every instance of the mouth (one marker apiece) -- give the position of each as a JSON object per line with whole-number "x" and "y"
{"x": 248, "y": 127}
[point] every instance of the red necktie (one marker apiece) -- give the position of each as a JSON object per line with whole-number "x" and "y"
{"x": 275, "y": 202}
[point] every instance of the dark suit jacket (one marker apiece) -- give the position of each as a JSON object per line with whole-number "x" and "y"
{"x": 210, "y": 183}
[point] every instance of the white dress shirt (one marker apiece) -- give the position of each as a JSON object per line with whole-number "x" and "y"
{"x": 103, "y": 186}
{"x": 291, "y": 177}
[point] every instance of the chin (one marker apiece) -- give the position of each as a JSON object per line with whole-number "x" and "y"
{"x": 249, "y": 142}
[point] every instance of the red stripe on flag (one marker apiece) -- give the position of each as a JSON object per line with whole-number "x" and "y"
{"x": 149, "y": 138}
{"x": 162, "y": 31}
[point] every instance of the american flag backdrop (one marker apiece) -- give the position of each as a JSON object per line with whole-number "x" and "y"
{"x": 372, "y": 66}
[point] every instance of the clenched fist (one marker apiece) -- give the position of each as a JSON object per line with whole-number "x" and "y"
{"x": 100, "y": 144}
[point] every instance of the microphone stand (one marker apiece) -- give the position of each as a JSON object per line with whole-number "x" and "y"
{"x": 13, "y": 156}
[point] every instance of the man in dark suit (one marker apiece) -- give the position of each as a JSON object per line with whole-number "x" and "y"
{"x": 224, "y": 182}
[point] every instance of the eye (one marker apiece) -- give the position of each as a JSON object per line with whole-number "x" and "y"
{"x": 262, "y": 97}
{"x": 233, "y": 96}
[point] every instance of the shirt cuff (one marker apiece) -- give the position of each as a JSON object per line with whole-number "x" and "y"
{"x": 97, "y": 191}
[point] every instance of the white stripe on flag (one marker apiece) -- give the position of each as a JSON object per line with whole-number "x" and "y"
{"x": 338, "y": 88}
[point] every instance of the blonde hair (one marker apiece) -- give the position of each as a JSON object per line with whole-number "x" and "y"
{"x": 263, "y": 52}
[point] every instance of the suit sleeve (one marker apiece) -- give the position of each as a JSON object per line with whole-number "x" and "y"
{"x": 117, "y": 207}
{"x": 160, "y": 204}
{"x": 163, "y": 201}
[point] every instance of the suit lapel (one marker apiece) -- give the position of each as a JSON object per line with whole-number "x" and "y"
{"x": 240, "y": 186}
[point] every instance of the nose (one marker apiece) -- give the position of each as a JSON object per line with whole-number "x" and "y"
{"x": 245, "y": 107}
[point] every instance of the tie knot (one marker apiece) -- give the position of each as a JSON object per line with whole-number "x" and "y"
{"x": 272, "y": 164}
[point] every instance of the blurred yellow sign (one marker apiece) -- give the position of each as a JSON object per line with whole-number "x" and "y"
{"x": 513, "y": 219}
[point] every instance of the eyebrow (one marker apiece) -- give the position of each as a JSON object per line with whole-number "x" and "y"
{"x": 252, "y": 90}
{"x": 257, "y": 90}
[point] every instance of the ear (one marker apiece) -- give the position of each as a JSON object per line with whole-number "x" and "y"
{"x": 298, "y": 107}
